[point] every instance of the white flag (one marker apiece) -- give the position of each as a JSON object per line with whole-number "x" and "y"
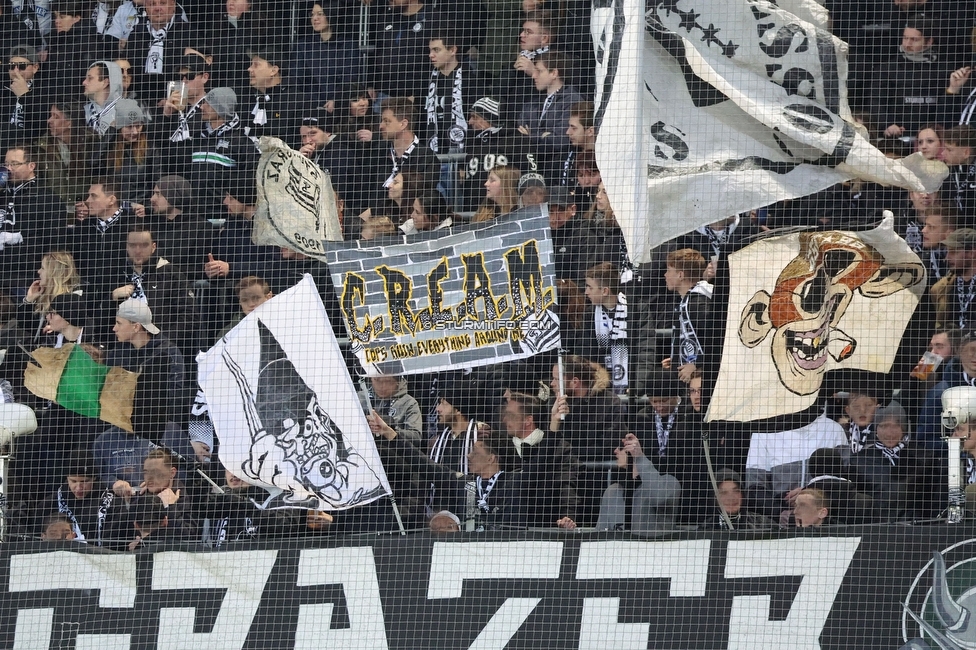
{"x": 709, "y": 108}
{"x": 285, "y": 410}
{"x": 804, "y": 304}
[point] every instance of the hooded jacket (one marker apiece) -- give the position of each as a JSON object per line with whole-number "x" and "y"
{"x": 402, "y": 412}
{"x": 100, "y": 118}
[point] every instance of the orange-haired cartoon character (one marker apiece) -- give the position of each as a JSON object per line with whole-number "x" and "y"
{"x": 811, "y": 295}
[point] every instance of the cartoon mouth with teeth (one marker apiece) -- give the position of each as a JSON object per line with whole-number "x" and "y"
{"x": 811, "y": 296}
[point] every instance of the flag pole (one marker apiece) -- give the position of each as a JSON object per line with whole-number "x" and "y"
{"x": 561, "y": 378}
{"x": 369, "y": 411}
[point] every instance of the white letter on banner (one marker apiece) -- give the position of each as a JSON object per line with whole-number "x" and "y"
{"x": 822, "y": 562}
{"x": 114, "y": 576}
{"x": 355, "y": 570}
{"x": 452, "y": 564}
{"x": 242, "y": 573}
{"x": 684, "y": 563}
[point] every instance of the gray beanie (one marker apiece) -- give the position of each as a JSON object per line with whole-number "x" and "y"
{"x": 176, "y": 190}
{"x": 222, "y": 100}
{"x": 895, "y": 412}
{"x": 127, "y": 113}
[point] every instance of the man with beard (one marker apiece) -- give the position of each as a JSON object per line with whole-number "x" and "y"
{"x": 953, "y": 295}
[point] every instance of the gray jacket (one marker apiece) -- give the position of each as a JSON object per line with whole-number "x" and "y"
{"x": 400, "y": 412}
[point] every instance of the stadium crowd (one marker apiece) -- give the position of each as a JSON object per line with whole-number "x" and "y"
{"x": 129, "y": 132}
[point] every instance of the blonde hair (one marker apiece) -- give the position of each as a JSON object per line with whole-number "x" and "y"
{"x": 508, "y": 201}
{"x": 62, "y": 278}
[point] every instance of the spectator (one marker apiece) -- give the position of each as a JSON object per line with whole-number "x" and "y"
{"x": 594, "y": 422}
{"x": 501, "y": 194}
{"x": 152, "y": 280}
{"x": 160, "y": 395}
{"x": 23, "y": 103}
{"x": 686, "y": 269}
{"x": 953, "y": 295}
{"x": 128, "y": 155}
{"x": 389, "y": 400}
{"x": 65, "y": 154}
{"x": 811, "y": 508}
{"x": 547, "y": 463}
{"x": 622, "y": 339}
{"x": 406, "y": 153}
{"x": 725, "y": 235}
{"x": 570, "y": 242}
{"x": 928, "y": 141}
{"x": 515, "y": 87}
{"x": 220, "y": 159}
{"x": 127, "y": 15}
{"x": 29, "y": 226}
{"x": 490, "y": 146}
{"x": 278, "y": 106}
{"x": 394, "y": 212}
{"x": 126, "y": 69}
{"x": 907, "y": 92}
{"x": 71, "y": 45}
{"x": 252, "y": 292}
{"x": 860, "y": 428}
{"x": 777, "y": 463}
{"x": 958, "y": 372}
{"x": 531, "y": 190}
{"x": 241, "y": 28}
{"x": 399, "y": 67}
{"x": 326, "y": 61}
{"x": 181, "y": 235}
{"x": 545, "y": 120}
{"x": 151, "y": 517}
{"x": 57, "y": 528}
{"x": 155, "y": 45}
{"x": 450, "y": 94}
{"x": 848, "y": 505}
{"x": 103, "y": 88}
{"x": 455, "y": 412}
{"x": 56, "y": 276}
{"x": 67, "y": 317}
{"x": 181, "y": 111}
{"x": 87, "y": 504}
{"x": 651, "y": 495}
{"x": 355, "y": 120}
{"x": 430, "y": 212}
{"x": 959, "y": 148}
{"x": 317, "y": 143}
{"x": 939, "y": 223}
{"x": 99, "y": 234}
{"x": 730, "y": 501}
{"x": 582, "y": 137}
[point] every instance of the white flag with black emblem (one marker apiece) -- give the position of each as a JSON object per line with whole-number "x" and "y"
{"x": 710, "y": 108}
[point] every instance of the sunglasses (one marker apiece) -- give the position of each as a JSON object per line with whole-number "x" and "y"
{"x": 18, "y": 66}
{"x": 189, "y": 76}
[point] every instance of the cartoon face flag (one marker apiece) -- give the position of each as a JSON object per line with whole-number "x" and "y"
{"x": 801, "y": 305}
{"x": 285, "y": 410}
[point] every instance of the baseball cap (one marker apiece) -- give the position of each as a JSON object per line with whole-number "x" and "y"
{"x": 24, "y": 51}
{"x": 136, "y": 311}
{"x": 964, "y": 238}
{"x": 561, "y": 196}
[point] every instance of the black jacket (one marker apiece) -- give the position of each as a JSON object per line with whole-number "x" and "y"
{"x": 38, "y": 216}
{"x": 549, "y": 481}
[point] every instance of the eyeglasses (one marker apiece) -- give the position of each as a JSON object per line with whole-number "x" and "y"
{"x": 124, "y": 70}
{"x": 18, "y": 66}
{"x": 15, "y": 163}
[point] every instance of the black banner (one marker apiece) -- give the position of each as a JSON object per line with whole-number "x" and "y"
{"x": 835, "y": 589}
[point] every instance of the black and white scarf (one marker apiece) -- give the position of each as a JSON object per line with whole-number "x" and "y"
{"x": 154, "y": 58}
{"x": 138, "y": 292}
{"x": 437, "y": 452}
{"x": 968, "y": 109}
{"x": 569, "y": 166}
{"x": 18, "y": 117}
{"x": 611, "y": 335}
{"x": 399, "y": 161}
{"x": 182, "y": 133}
{"x": 718, "y": 239}
{"x": 103, "y": 226}
{"x": 486, "y": 135}
{"x": 970, "y": 468}
{"x": 484, "y": 490}
{"x": 663, "y": 431}
{"x": 546, "y": 105}
{"x": 8, "y": 215}
{"x": 689, "y": 347}
{"x": 937, "y": 262}
{"x": 228, "y": 126}
{"x": 860, "y": 437}
{"x": 892, "y": 453}
{"x": 531, "y": 54}
{"x": 259, "y": 114}
{"x": 460, "y": 128}
{"x": 965, "y": 294}
{"x": 94, "y": 121}
{"x": 107, "y": 498}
